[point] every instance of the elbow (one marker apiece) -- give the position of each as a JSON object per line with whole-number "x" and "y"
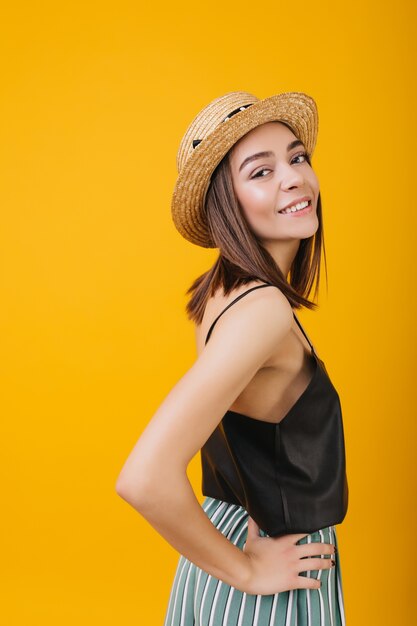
{"x": 141, "y": 492}
{"x": 132, "y": 492}
{"x": 121, "y": 488}
{"x": 145, "y": 485}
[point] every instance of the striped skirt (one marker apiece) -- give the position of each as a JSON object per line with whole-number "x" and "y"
{"x": 198, "y": 599}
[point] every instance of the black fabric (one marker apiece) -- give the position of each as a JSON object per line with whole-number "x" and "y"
{"x": 289, "y": 476}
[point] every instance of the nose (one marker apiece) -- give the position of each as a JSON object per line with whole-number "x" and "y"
{"x": 290, "y": 177}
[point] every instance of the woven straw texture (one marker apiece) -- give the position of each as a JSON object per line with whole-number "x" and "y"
{"x": 195, "y": 165}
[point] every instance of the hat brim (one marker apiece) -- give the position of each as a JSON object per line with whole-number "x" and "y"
{"x": 297, "y": 109}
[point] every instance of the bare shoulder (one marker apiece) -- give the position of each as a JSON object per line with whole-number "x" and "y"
{"x": 261, "y": 315}
{"x": 243, "y": 341}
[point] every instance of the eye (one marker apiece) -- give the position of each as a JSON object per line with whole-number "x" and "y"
{"x": 259, "y": 172}
{"x": 304, "y": 155}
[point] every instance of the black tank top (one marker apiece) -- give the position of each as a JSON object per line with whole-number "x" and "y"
{"x": 290, "y": 476}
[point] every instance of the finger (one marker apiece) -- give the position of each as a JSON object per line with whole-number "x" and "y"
{"x": 315, "y": 548}
{"x": 253, "y": 528}
{"x": 304, "y": 565}
{"x": 304, "y": 582}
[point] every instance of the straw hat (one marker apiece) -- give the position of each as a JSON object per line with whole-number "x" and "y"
{"x": 211, "y": 135}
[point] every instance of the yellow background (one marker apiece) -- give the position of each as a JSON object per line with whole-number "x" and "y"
{"x": 95, "y": 97}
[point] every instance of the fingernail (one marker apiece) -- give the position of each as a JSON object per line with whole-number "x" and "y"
{"x": 333, "y": 563}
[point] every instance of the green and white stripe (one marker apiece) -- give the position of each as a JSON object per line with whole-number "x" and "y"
{"x": 198, "y": 599}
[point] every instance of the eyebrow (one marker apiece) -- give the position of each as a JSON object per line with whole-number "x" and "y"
{"x": 268, "y": 153}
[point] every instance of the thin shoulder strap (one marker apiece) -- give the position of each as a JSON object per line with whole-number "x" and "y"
{"x": 232, "y": 302}
{"x": 304, "y": 332}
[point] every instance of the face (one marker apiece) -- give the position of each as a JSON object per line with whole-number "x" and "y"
{"x": 270, "y": 172}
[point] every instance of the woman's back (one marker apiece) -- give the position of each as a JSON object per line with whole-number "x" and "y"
{"x": 284, "y": 377}
{"x": 248, "y": 459}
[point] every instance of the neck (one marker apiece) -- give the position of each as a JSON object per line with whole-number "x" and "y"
{"x": 283, "y": 253}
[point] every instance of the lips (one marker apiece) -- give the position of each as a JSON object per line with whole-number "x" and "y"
{"x": 303, "y": 199}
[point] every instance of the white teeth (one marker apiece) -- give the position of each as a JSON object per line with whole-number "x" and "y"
{"x": 295, "y": 207}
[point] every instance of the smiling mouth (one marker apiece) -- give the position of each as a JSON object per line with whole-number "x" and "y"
{"x": 296, "y": 208}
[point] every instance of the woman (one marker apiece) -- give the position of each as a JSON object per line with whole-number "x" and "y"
{"x": 258, "y": 401}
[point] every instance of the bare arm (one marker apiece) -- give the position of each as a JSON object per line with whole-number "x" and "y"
{"x": 154, "y": 480}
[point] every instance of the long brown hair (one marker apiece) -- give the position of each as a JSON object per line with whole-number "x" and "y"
{"x": 242, "y": 257}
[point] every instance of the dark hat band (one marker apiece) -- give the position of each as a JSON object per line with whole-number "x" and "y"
{"x": 242, "y": 108}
